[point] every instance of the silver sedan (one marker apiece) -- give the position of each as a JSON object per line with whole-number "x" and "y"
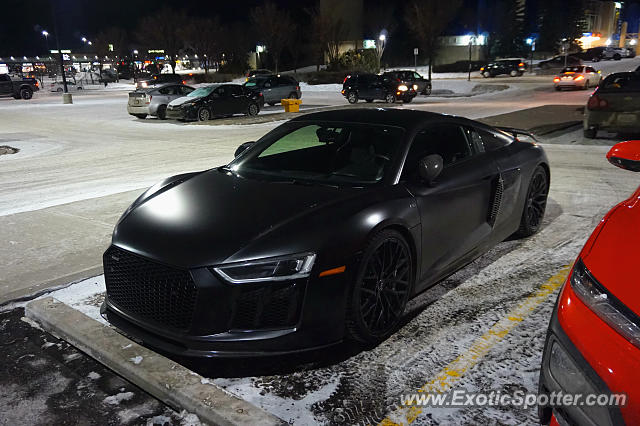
{"x": 154, "y": 100}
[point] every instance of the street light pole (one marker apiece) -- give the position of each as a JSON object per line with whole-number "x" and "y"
{"x": 55, "y": 29}
{"x": 472, "y": 40}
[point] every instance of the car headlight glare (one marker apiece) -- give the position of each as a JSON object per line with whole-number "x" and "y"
{"x": 273, "y": 269}
{"x": 403, "y": 88}
{"x": 604, "y": 304}
{"x": 415, "y": 87}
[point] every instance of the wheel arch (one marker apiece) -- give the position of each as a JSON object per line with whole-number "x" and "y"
{"x": 409, "y": 237}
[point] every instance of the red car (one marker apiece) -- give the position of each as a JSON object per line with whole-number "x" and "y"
{"x": 593, "y": 341}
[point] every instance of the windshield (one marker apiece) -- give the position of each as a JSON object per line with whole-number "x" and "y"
{"x": 335, "y": 153}
{"x": 201, "y": 92}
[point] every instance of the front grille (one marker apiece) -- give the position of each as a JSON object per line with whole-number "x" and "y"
{"x": 273, "y": 305}
{"x": 148, "y": 290}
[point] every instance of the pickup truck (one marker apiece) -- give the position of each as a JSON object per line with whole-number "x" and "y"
{"x": 18, "y": 88}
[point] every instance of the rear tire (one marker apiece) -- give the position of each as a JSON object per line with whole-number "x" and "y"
{"x": 535, "y": 203}
{"x": 352, "y": 97}
{"x": 380, "y": 292}
{"x": 140, "y": 116}
{"x": 590, "y": 133}
{"x": 427, "y": 91}
{"x": 26, "y": 93}
{"x": 513, "y": 73}
{"x": 390, "y": 98}
{"x": 162, "y": 112}
{"x": 292, "y": 95}
{"x": 486, "y": 74}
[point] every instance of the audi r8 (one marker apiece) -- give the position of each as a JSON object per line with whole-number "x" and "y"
{"x": 320, "y": 231}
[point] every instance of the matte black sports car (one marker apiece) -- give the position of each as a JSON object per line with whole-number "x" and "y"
{"x": 217, "y": 100}
{"x": 319, "y": 231}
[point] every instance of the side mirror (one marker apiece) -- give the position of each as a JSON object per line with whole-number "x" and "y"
{"x": 625, "y": 155}
{"x": 429, "y": 168}
{"x": 242, "y": 148}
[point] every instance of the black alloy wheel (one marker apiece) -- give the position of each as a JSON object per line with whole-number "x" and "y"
{"x": 204, "y": 114}
{"x": 26, "y": 93}
{"x": 535, "y": 204}
{"x": 292, "y": 95}
{"x": 383, "y": 284}
{"x": 253, "y": 110}
{"x": 352, "y": 97}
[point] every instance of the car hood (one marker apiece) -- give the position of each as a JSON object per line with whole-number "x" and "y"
{"x": 211, "y": 216}
{"x": 183, "y": 100}
{"x": 613, "y": 258}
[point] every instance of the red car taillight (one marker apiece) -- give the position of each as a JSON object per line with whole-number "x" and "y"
{"x": 149, "y": 99}
{"x": 556, "y": 79}
{"x": 345, "y": 79}
{"x": 578, "y": 77}
{"x": 298, "y": 88}
{"x": 596, "y": 103}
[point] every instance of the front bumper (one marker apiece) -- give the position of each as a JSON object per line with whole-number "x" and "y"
{"x": 195, "y": 313}
{"x": 559, "y": 338}
{"x": 571, "y": 84}
{"x": 178, "y": 114}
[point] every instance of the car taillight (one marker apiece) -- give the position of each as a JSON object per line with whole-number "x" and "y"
{"x": 260, "y": 94}
{"x": 184, "y": 82}
{"x": 556, "y": 79}
{"x": 298, "y": 88}
{"x": 521, "y": 64}
{"x": 596, "y": 103}
{"x": 578, "y": 77}
{"x": 345, "y": 79}
{"x": 149, "y": 99}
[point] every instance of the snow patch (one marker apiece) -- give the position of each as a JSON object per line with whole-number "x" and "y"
{"x": 118, "y": 398}
{"x": 32, "y": 323}
{"x": 93, "y": 375}
{"x": 136, "y": 359}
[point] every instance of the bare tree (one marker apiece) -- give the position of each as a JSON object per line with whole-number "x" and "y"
{"x": 112, "y": 41}
{"x": 329, "y": 31}
{"x": 164, "y": 31}
{"x": 203, "y": 37}
{"x": 273, "y": 25}
{"x": 427, "y": 19}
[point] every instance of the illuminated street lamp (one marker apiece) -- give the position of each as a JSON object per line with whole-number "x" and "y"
{"x": 472, "y": 42}
{"x": 45, "y": 33}
{"x": 531, "y": 41}
{"x": 380, "y": 46}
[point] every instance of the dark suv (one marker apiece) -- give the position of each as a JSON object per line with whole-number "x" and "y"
{"x": 371, "y": 86}
{"x": 513, "y": 67}
{"x": 274, "y": 88}
{"x": 413, "y": 79}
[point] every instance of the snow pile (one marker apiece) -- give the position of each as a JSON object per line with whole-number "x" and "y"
{"x": 118, "y": 398}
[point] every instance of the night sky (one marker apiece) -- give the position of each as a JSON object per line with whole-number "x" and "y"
{"x": 23, "y": 20}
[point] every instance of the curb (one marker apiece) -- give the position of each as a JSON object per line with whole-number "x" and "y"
{"x": 168, "y": 381}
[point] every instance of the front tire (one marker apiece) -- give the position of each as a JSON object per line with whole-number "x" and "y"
{"x": 535, "y": 203}
{"x": 513, "y": 73}
{"x": 390, "y": 98}
{"x": 381, "y": 290}
{"x": 253, "y": 110}
{"x": 486, "y": 74}
{"x": 590, "y": 133}
{"x": 204, "y": 114}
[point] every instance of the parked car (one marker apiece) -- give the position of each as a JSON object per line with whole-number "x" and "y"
{"x": 371, "y": 87}
{"x": 593, "y": 54}
{"x": 72, "y": 86}
{"x": 513, "y": 67}
{"x": 559, "y": 62}
{"x": 259, "y": 71}
{"x": 217, "y": 100}
{"x": 614, "y": 106}
{"x": 154, "y": 100}
{"x": 281, "y": 250}
{"x": 158, "y": 79}
{"x": 615, "y": 53}
{"x": 274, "y": 88}
{"x": 19, "y": 88}
{"x": 411, "y": 78}
{"x": 578, "y": 77}
{"x": 593, "y": 340}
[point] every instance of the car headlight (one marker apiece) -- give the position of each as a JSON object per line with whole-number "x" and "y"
{"x": 415, "y": 87}
{"x": 403, "y": 88}
{"x": 144, "y": 84}
{"x": 604, "y": 304}
{"x": 273, "y": 269}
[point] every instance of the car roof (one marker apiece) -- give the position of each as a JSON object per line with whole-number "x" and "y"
{"x": 406, "y": 118}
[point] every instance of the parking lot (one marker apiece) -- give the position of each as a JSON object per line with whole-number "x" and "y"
{"x": 481, "y": 329}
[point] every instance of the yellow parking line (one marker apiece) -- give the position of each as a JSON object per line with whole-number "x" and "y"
{"x": 452, "y": 373}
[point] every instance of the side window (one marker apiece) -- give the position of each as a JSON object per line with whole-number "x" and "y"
{"x": 447, "y": 140}
{"x": 417, "y": 76}
{"x": 235, "y": 90}
{"x": 5, "y": 77}
{"x": 184, "y": 90}
{"x": 284, "y": 81}
{"x": 590, "y": 69}
{"x": 493, "y": 141}
{"x": 475, "y": 140}
{"x": 219, "y": 92}
{"x": 167, "y": 90}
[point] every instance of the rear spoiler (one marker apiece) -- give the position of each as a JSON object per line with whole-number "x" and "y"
{"x": 515, "y": 132}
